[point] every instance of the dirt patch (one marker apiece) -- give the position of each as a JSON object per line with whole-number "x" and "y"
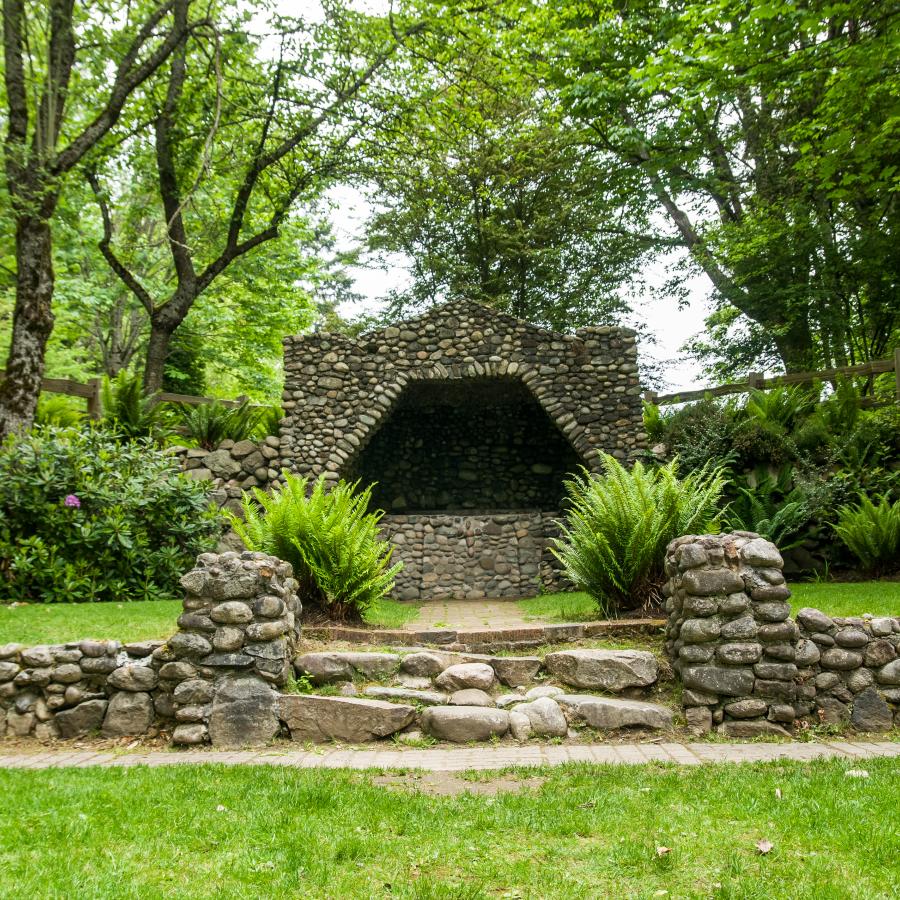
{"x": 447, "y": 784}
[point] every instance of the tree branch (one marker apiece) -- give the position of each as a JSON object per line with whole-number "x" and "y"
{"x": 125, "y": 275}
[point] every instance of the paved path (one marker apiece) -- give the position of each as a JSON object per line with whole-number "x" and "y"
{"x": 469, "y": 614}
{"x": 457, "y": 760}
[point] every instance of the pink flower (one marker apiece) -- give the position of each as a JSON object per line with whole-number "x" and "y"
{"x": 72, "y": 500}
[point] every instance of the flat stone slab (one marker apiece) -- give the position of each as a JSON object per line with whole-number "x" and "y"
{"x": 609, "y": 713}
{"x": 608, "y": 670}
{"x": 326, "y": 667}
{"x": 462, "y": 724}
{"x": 427, "y": 698}
{"x": 310, "y": 717}
{"x": 514, "y": 671}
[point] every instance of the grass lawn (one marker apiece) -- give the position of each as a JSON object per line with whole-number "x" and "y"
{"x": 880, "y": 598}
{"x": 56, "y": 623}
{"x": 575, "y": 832}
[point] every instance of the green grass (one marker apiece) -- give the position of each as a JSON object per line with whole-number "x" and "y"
{"x": 573, "y": 607}
{"x": 881, "y": 598}
{"x": 56, "y": 623}
{"x": 585, "y": 832}
{"x": 392, "y": 614}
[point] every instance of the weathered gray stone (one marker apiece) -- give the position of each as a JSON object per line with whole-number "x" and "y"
{"x": 749, "y": 708}
{"x": 889, "y": 674}
{"x": 699, "y": 631}
{"x": 544, "y": 690}
{"x": 545, "y": 717}
{"x": 185, "y": 644}
{"x": 871, "y": 712}
{"x": 840, "y": 659}
{"x": 608, "y": 713}
{"x": 461, "y": 724}
{"x": 232, "y": 612}
{"x": 814, "y": 620}
{"x": 751, "y": 728}
{"x": 699, "y": 720}
{"x": 221, "y": 464}
{"x": 515, "y": 671}
{"x": 860, "y": 679}
{"x": 519, "y": 726}
{"x": 243, "y": 712}
{"x": 719, "y": 680}
{"x": 38, "y": 657}
{"x": 610, "y": 670}
{"x": 425, "y": 698}
{"x": 709, "y": 582}
{"x": 82, "y": 719}
{"x": 373, "y": 664}
{"x": 808, "y": 654}
{"x": 775, "y": 671}
{"x": 771, "y": 612}
{"x": 697, "y": 653}
{"x": 351, "y": 719}
{"x": 425, "y": 664}
{"x": 471, "y": 697}
{"x": 740, "y": 629}
{"x": 189, "y": 734}
{"x": 760, "y": 552}
{"x": 128, "y": 713}
{"x": 882, "y": 626}
{"x": 739, "y": 654}
{"x": 133, "y": 678}
{"x": 505, "y": 701}
{"x": 466, "y": 675}
{"x": 194, "y": 690}
{"x": 879, "y": 653}
{"x": 851, "y": 637}
{"x": 831, "y": 711}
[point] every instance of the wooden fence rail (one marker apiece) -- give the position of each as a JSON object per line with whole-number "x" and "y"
{"x": 755, "y": 381}
{"x": 92, "y": 393}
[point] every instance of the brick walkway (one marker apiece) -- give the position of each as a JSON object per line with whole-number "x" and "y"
{"x": 469, "y": 614}
{"x": 457, "y": 760}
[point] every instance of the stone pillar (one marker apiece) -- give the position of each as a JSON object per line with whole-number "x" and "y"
{"x": 730, "y": 635}
{"x": 237, "y": 636}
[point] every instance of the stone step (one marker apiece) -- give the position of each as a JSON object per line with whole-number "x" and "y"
{"x": 609, "y": 713}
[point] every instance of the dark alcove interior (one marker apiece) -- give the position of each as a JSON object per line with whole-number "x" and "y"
{"x": 466, "y": 445}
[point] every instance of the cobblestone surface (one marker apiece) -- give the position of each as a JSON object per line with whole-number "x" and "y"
{"x": 456, "y": 760}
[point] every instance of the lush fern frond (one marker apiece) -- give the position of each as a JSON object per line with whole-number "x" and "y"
{"x": 871, "y": 532}
{"x": 328, "y": 536}
{"x": 614, "y": 538}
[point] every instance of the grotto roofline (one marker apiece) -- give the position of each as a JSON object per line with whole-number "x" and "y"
{"x": 441, "y": 312}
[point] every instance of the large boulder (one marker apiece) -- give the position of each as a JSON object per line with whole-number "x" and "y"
{"x": 608, "y": 713}
{"x": 352, "y": 719}
{"x": 544, "y": 716}
{"x": 515, "y": 671}
{"x": 323, "y": 668}
{"x": 462, "y": 724}
{"x": 870, "y": 712}
{"x": 466, "y": 675}
{"x": 608, "y": 670}
{"x": 243, "y": 713}
{"x": 79, "y": 720}
{"x": 129, "y": 712}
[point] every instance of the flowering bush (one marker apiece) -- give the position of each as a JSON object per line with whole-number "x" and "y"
{"x": 86, "y": 516}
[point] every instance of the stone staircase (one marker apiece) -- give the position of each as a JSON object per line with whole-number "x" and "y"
{"x": 465, "y": 697}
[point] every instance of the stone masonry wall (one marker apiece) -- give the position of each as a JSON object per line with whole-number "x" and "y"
{"x": 748, "y": 667}
{"x": 212, "y": 680}
{"x": 338, "y": 391}
{"x": 233, "y": 467}
{"x": 474, "y": 556}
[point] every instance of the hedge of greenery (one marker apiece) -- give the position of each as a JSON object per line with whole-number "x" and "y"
{"x": 811, "y": 476}
{"x": 86, "y": 515}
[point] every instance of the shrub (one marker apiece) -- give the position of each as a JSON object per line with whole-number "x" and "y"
{"x": 871, "y": 532}
{"x": 86, "y": 516}
{"x": 211, "y": 423}
{"x": 131, "y": 413}
{"x": 771, "y": 508}
{"x": 614, "y": 538}
{"x": 329, "y": 537}
{"x": 59, "y": 411}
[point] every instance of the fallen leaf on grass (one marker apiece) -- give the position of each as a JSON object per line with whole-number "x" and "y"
{"x": 663, "y": 851}
{"x": 763, "y": 847}
{"x": 856, "y": 773}
{"x": 777, "y": 793}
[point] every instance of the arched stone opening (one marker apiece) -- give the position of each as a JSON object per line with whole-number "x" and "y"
{"x": 465, "y": 445}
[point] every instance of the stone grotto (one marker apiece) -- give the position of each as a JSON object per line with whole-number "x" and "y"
{"x": 467, "y": 422}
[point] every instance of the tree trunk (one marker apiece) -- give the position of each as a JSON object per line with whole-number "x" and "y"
{"x": 32, "y": 325}
{"x": 157, "y": 354}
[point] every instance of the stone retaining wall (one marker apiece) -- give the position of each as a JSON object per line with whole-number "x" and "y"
{"x": 473, "y": 556}
{"x": 748, "y": 667}
{"x": 233, "y": 467}
{"x": 237, "y": 637}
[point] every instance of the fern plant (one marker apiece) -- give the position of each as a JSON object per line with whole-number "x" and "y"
{"x": 131, "y": 413}
{"x": 771, "y": 508}
{"x": 871, "y": 532}
{"x": 211, "y": 423}
{"x": 614, "y": 538}
{"x": 328, "y": 536}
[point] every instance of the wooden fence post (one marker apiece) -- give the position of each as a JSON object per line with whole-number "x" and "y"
{"x": 94, "y": 403}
